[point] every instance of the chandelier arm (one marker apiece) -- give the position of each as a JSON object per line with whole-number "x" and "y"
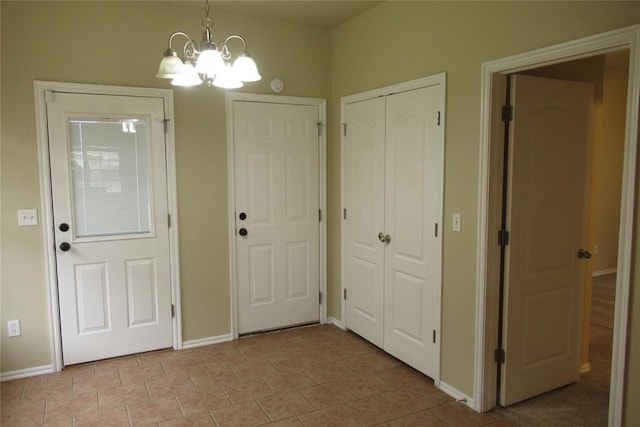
{"x": 189, "y": 53}
{"x": 235, "y": 36}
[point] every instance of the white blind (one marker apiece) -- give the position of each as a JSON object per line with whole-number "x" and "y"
{"x": 110, "y": 174}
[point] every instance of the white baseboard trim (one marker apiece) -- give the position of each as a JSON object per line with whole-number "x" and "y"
{"x": 457, "y": 395}
{"x": 24, "y": 373}
{"x": 585, "y": 367}
{"x": 603, "y": 272}
{"x": 207, "y": 341}
{"x": 336, "y": 322}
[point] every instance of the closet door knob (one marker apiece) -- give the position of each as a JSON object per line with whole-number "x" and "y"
{"x": 384, "y": 238}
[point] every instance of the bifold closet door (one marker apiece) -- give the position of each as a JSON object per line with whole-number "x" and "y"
{"x": 413, "y": 210}
{"x": 364, "y": 196}
{"x": 393, "y": 172}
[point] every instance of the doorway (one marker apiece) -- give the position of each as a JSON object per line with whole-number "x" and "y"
{"x": 110, "y": 279}
{"x": 277, "y": 224}
{"x": 586, "y": 400}
{"x": 486, "y": 369}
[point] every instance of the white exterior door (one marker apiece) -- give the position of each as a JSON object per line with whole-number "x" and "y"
{"x": 546, "y": 218}
{"x": 364, "y": 202}
{"x": 394, "y": 156}
{"x": 276, "y": 151}
{"x": 109, "y": 188}
{"x": 413, "y": 214}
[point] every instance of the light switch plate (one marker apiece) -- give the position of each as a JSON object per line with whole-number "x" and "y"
{"x": 456, "y": 222}
{"x": 27, "y": 217}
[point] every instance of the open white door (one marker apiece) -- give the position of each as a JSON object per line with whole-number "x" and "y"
{"x": 546, "y": 218}
{"x": 364, "y": 202}
{"x": 276, "y": 150}
{"x": 108, "y": 177}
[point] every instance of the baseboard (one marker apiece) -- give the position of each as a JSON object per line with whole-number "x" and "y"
{"x": 206, "y": 341}
{"x": 335, "y": 322}
{"x": 603, "y": 272}
{"x": 585, "y": 367}
{"x": 457, "y": 395}
{"x": 24, "y": 373}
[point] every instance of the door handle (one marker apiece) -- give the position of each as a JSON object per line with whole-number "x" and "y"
{"x": 584, "y": 254}
{"x": 384, "y": 238}
{"x": 64, "y": 246}
{"x": 64, "y": 227}
{"x": 243, "y": 232}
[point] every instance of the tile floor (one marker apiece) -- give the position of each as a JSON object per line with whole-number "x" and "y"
{"x": 313, "y": 376}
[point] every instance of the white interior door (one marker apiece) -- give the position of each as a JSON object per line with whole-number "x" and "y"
{"x": 277, "y": 216}
{"x": 546, "y": 215}
{"x": 108, "y": 176}
{"x": 364, "y": 202}
{"x": 413, "y": 214}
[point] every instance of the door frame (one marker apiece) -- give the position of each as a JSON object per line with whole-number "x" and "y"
{"x": 435, "y": 79}
{"x": 491, "y": 134}
{"x": 41, "y": 89}
{"x": 231, "y": 97}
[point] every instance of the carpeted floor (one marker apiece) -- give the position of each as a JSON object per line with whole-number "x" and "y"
{"x": 586, "y": 402}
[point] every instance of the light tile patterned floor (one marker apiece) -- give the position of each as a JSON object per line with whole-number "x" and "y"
{"x": 313, "y": 376}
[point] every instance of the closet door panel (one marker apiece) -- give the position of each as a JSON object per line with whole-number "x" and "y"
{"x": 413, "y": 210}
{"x": 364, "y": 195}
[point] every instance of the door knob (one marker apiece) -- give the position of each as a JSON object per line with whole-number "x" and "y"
{"x": 64, "y": 246}
{"x": 243, "y": 232}
{"x": 584, "y": 254}
{"x": 242, "y": 216}
{"x": 384, "y": 238}
{"x": 64, "y": 227}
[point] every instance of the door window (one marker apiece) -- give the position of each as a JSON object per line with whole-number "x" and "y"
{"x": 110, "y": 177}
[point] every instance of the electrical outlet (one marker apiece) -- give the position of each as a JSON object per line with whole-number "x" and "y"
{"x": 14, "y": 328}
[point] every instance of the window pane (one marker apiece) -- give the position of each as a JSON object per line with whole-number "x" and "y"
{"x": 110, "y": 177}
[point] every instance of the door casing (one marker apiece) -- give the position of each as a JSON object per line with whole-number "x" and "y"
{"x": 486, "y": 294}
{"x": 322, "y": 194}
{"x": 41, "y": 88}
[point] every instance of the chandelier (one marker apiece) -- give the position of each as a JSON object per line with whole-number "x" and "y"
{"x": 209, "y": 61}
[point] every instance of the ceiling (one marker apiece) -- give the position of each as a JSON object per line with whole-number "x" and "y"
{"x": 326, "y": 13}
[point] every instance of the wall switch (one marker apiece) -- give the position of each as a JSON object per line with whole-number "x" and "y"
{"x": 14, "y": 328}
{"x": 456, "y": 223}
{"x": 27, "y": 217}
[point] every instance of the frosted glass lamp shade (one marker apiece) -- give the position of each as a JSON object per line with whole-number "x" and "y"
{"x": 245, "y": 68}
{"x": 170, "y": 65}
{"x": 189, "y": 78}
{"x": 209, "y": 62}
{"x": 227, "y": 79}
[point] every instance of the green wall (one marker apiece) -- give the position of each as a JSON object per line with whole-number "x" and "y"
{"x": 120, "y": 43}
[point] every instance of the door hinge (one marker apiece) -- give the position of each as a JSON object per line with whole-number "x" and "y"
{"x": 434, "y": 336}
{"x": 173, "y": 311}
{"x": 165, "y": 122}
{"x": 169, "y": 220}
{"x": 507, "y": 113}
{"x": 344, "y": 129}
{"x": 320, "y": 298}
{"x": 503, "y": 238}
{"x": 436, "y": 229}
{"x": 499, "y": 355}
{"x": 344, "y": 293}
{"x": 438, "y": 117}
{"x": 344, "y": 213}
{"x": 319, "y": 128}
{"x": 320, "y": 215}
